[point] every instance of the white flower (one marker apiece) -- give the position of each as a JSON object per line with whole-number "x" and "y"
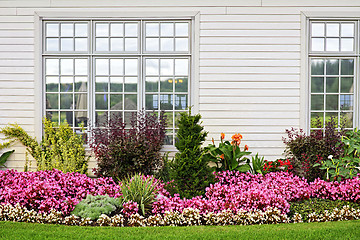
{"x": 330, "y": 156}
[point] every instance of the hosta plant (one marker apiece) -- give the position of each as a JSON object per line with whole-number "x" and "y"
{"x": 228, "y": 156}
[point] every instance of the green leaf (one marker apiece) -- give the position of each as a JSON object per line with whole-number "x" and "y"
{"x": 243, "y": 168}
{"x": 4, "y": 157}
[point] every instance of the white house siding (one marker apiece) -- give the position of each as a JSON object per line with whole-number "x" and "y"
{"x": 249, "y": 63}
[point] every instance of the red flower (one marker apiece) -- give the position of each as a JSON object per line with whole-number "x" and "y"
{"x": 222, "y": 136}
{"x": 246, "y": 148}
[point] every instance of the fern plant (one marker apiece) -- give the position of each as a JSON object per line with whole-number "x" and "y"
{"x": 60, "y": 147}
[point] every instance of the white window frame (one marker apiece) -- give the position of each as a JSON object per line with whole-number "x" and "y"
{"x": 40, "y": 16}
{"x": 305, "y": 87}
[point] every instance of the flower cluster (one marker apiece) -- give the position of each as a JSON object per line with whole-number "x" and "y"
{"x": 236, "y": 139}
{"x": 242, "y": 191}
{"x": 277, "y": 165}
{"x": 47, "y": 190}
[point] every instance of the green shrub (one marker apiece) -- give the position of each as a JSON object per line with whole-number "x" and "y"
{"x": 60, "y": 147}
{"x": 304, "y": 208}
{"x": 190, "y": 171}
{"x": 141, "y": 190}
{"x": 93, "y": 206}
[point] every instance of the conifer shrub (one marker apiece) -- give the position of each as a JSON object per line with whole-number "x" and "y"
{"x": 190, "y": 171}
{"x": 60, "y": 147}
{"x": 94, "y": 206}
{"x": 122, "y": 150}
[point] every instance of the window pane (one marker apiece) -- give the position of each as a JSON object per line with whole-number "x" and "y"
{"x": 66, "y": 101}
{"x": 152, "y": 29}
{"x": 152, "y": 84}
{"x": 52, "y": 101}
{"x": 102, "y": 29}
{"x": 81, "y": 44}
{"x": 317, "y": 44}
{"x": 116, "y": 102}
{"x": 332, "y": 29}
{"x": 152, "y": 66}
{"x": 167, "y": 29}
{"x": 332, "y": 67}
{"x": 131, "y": 66}
{"x": 151, "y": 102}
{"x": 181, "y": 84}
{"x": 81, "y": 101}
{"x": 130, "y": 84}
{"x": 81, "y": 29}
{"x": 181, "y": 67}
{"x": 52, "y": 29}
{"x": 102, "y": 44}
{"x": 81, "y": 84}
{"x": 166, "y": 84}
{"x": 66, "y": 84}
{"x": 131, "y": 29}
{"x": 317, "y": 102}
{"x": 101, "y": 84}
{"x": 317, "y": 84}
{"x": 347, "y": 29}
{"x": 315, "y": 116}
{"x": 52, "y": 66}
{"x": 131, "y": 44}
{"x": 332, "y": 102}
{"x": 346, "y": 102}
{"x": 332, "y": 85}
{"x": 182, "y": 44}
{"x": 130, "y": 102}
{"x": 117, "y": 44}
{"x": 152, "y": 44}
{"x": 317, "y": 67}
{"x": 181, "y": 102}
{"x": 347, "y": 85}
{"x": 166, "y": 66}
{"x": 167, "y": 44}
{"x": 116, "y": 66}
{"x": 52, "y": 44}
{"x": 166, "y": 102}
{"x": 332, "y": 44}
{"x": 81, "y": 67}
{"x": 116, "y": 84}
{"x": 67, "y": 67}
{"x": 67, "y": 30}
{"x": 52, "y": 84}
{"x": 347, "y": 44}
{"x": 317, "y": 29}
{"x": 169, "y": 119}
{"x": 117, "y": 29}
{"x": 346, "y": 119}
{"x": 331, "y": 115}
{"x": 347, "y": 66}
{"x": 102, "y": 66}
{"x": 181, "y": 29}
{"x": 101, "y": 101}
{"x": 67, "y": 44}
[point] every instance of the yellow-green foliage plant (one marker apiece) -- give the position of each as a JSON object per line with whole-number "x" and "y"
{"x": 60, "y": 147}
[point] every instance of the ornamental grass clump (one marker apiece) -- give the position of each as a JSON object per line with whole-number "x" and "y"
{"x": 60, "y": 147}
{"x": 122, "y": 150}
{"x": 141, "y": 190}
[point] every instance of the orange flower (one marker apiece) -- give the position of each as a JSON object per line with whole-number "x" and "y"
{"x": 222, "y": 156}
{"x": 222, "y": 136}
{"x": 246, "y": 148}
{"x": 213, "y": 141}
{"x": 236, "y": 138}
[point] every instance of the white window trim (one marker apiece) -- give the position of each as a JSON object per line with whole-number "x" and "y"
{"x": 78, "y": 15}
{"x": 304, "y": 61}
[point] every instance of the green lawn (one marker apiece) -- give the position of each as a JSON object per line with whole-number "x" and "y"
{"x": 329, "y": 230}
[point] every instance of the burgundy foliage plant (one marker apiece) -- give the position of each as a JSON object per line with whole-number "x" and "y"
{"x": 122, "y": 150}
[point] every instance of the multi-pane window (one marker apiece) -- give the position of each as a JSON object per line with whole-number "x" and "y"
{"x": 94, "y": 70}
{"x": 333, "y": 58}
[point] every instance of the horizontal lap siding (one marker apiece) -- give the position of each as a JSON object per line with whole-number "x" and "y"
{"x": 249, "y": 63}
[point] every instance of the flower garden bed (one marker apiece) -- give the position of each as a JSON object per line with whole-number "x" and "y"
{"x": 235, "y": 199}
